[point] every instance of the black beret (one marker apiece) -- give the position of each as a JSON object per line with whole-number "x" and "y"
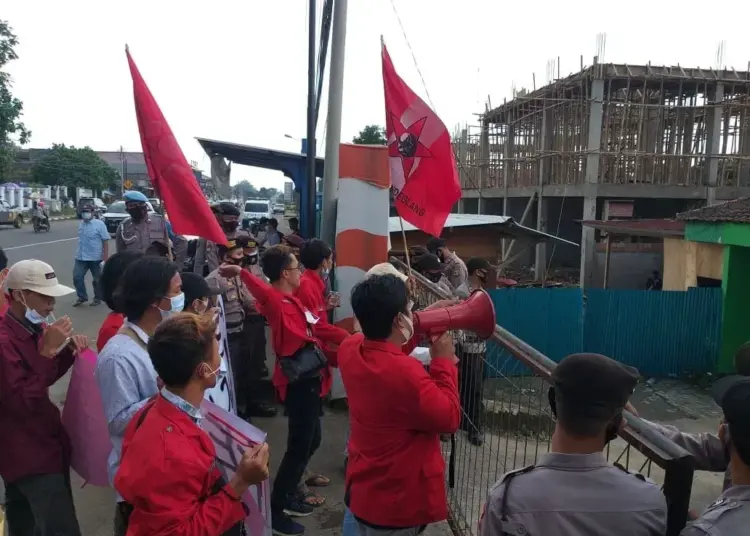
{"x": 228, "y": 209}
{"x": 427, "y": 262}
{"x": 594, "y": 381}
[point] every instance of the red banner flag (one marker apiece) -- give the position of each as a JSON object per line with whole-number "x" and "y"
{"x": 423, "y": 169}
{"x": 170, "y": 173}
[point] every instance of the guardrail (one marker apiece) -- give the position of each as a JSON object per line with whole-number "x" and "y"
{"x": 517, "y": 427}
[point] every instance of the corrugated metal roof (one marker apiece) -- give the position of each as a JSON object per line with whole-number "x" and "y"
{"x": 657, "y": 228}
{"x": 735, "y": 211}
{"x": 505, "y": 225}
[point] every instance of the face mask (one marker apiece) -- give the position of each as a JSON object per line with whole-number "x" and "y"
{"x": 33, "y": 317}
{"x": 234, "y": 261}
{"x": 325, "y": 272}
{"x": 230, "y": 226}
{"x": 407, "y": 330}
{"x": 250, "y": 260}
{"x": 137, "y": 213}
{"x": 434, "y": 277}
{"x": 217, "y": 374}
{"x": 177, "y": 303}
{"x": 86, "y": 215}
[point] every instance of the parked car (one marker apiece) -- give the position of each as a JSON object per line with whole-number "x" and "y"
{"x": 116, "y": 213}
{"x": 156, "y": 203}
{"x": 11, "y": 216}
{"x": 99, "y": 206}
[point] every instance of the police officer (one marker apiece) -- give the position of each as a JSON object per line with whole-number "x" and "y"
{"x": 730, "y": 514}
{"x": 206, "y": 252}
{"x": 573, "y": 490}
{"x": 143, "y": 232}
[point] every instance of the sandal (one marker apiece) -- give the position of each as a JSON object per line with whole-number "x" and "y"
{"x": 317, "y": 481}
{"x": 313, "y": 499}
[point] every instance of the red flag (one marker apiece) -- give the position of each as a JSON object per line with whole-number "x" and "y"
{"x": 172, "y": 176}
{"x": 423, "y": 168}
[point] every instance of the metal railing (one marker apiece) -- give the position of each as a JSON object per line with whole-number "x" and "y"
{"x": 517, "y": 427}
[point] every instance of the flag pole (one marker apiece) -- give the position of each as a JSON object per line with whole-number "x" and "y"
{"x": 406, "y": 246}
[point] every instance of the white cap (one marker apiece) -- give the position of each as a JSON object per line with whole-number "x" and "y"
{"x": 386, "y": 268}
{"x": 36, "y": 276}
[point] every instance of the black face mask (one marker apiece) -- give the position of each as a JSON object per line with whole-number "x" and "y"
{"x": 138, "y": 213}
{"x": 434, "y": 277}
{"x": 230, "y": 226}
{"x": 233, "y": 261}
{"x": 250, "y": 260}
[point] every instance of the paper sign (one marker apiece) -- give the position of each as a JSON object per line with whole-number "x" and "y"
{"x": 84, "y": 420}
{"x": 223, "y": 393}
{"x": 231, "y": 436}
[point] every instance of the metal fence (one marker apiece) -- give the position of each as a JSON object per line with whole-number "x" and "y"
{"x": 517, "y": 429}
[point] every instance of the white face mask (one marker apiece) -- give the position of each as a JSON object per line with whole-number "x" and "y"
{"x": 35, "y": 318}
{"x": 86, "y": 215}
{"x": 217, "y": 374}
{"x": 177, "y": 304}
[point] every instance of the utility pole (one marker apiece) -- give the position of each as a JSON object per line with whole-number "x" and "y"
{"x": 333, "y": 130}
{"x": 310, "y": 201}
{"x": 122, "y": 172}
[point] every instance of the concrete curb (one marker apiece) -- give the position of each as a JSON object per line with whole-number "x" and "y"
{"x": 58, "y": 218}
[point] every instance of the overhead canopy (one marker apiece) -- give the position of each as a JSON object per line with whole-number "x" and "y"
{"x": 506, "y": 227}
{"x": 656, "y": 228}
{"x": 261, "y": 157}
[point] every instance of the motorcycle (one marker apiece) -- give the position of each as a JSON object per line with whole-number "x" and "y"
{"x": 40, "y": 224}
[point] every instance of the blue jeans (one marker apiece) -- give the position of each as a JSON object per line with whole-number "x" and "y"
{"x": 350, "y": 524}
{"x": 79, "y": 273}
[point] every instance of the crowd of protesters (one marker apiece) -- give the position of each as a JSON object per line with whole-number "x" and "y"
{"x": 160, "y": 355}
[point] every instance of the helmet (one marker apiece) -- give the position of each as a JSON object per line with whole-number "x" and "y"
{"x": 41, "y": 203}
{"x": 134, "y": 196}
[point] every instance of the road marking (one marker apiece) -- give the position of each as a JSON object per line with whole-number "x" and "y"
{"x": 40, "y": 243}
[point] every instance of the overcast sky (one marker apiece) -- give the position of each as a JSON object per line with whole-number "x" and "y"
{"x": 235, "y": 70}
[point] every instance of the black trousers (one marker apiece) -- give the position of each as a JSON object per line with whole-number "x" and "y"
{"x": 303, "y": 408}
{"x": 239, "y": 368}
{"x": 470, "y": 380}
{"x": 41, "y": 505}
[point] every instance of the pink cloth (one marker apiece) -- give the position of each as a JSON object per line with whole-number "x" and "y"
{"x": 84, "y": 420}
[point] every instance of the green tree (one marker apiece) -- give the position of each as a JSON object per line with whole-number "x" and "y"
{"x": 12, "y": 131}
{"x": 268, "y": 193}
{"x": 71, "y": 166}
{"x": 244, "y": 190}
{"x": 371, "y": 135}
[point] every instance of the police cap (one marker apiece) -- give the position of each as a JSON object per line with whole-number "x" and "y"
{"x": 732, "y": 393}
{"x": 594, "y": 381}
{"x": 230, "y": 246}
{"x": 228, "y": 209}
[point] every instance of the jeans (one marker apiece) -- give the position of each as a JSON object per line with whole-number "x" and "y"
{"x": 41, "y": 505}
{"x": 303, "y": 406}
{"x": 350, "y": 524}
{"x": 79, "y": 273}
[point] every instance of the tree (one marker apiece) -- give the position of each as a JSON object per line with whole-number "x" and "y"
{"x": 244, "y": 190}
{"x": 371, "y": 135}
{"x": 12, "y": 131}
{"x": 268, "y": 193}
{"x": 71, "y": 166}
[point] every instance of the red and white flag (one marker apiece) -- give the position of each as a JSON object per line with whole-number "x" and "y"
{"x": 172, "y": 176}
{"x": 424, "y": 177}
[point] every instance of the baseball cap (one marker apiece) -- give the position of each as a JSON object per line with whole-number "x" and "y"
{"x": 594, "y": 381}
{"x": 385, "y": 268}
{"x": 732, "y": 393}
{"x": 36, "y": 276}
{"x": 194, "y": 287}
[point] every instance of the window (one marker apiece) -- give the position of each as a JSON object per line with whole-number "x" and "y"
{"x": 118, "y": 207}
{"x": 256, "y": 207}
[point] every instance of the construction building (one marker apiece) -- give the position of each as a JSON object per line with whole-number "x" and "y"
{"x": 611, "y": 141}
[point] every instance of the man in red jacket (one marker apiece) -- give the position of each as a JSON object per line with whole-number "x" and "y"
{"x": 395, "y": 476}
{"x": 293, "y": 327}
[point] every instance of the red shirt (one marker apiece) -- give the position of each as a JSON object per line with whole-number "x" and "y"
{"x": 311, "y": 294}
{"x": 167, "y": 472}
{"x": 109, "y": 329}
{"x": 290, "y": 329}
{"x": 397, "y": 410}
{"x": 32, "y": 438}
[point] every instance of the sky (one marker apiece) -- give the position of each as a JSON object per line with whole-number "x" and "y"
{"x": 236, "y": 70}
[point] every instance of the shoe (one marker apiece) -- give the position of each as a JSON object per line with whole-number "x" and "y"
{"x": 475, "y": 438}
{"x": 95, "y": 303}
{"x": 297, "y": 508}
{"x": 445, "y": 438}
{"x": 283, "y": 525}
{"x": 79, "y": 301}
{"x": 260, "y": 409}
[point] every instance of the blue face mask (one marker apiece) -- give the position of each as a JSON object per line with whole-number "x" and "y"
{"x": 35, "y": 318}
{"x": 177, "y": 304}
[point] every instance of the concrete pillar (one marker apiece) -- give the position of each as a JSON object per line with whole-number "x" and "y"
{"x": 48, "y": 192}
{"x": 463, "y": 169}
{"x": 2, "y": 193}
{"x": 545, "y": 168}
{"x": 484, "y": 156}
{"x": 713, "y": 142}
{"x": 540, "y": 267}
{"x": 591, "y": 185}
{"x": 481, "y": 206}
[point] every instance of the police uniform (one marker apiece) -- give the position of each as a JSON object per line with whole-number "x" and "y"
{"x": 578, "y": 494}
{"x": 730, "y": 514}
{"x": 207, "y": 252}
{"x": 152, "y": 229}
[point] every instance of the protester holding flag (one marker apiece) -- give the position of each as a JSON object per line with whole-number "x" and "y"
{"x": 297, "y": 336}
{"x": 171, "y": 480}
{"x": 423, "y": 167}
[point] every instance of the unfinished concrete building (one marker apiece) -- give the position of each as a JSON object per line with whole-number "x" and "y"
{"x": 656, "y": 139}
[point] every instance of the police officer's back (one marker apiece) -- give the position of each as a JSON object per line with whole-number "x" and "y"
{"x": 143, "y": 232}
{"x": 730, "y": 514}
{"x": 573, "y": 490}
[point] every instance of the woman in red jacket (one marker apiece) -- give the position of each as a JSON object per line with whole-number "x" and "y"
{"x": 168, "y": 473}
{"x": 295, "y": 331}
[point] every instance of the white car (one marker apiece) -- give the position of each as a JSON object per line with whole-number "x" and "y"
{"x": 116, "y": 213}
{"x": 256, "y": 209}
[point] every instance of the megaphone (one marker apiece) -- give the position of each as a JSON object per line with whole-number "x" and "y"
{"x": 476, "y": 314}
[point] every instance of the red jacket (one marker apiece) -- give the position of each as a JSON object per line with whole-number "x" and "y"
{"x": 310, "y": 293}
{"x": 109, "y": 329}
{"x": 397, "y": 411}
{"x": 32, "y": 438}
{"x": 289, "y": 327}
{"x": 167, "y": 472}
